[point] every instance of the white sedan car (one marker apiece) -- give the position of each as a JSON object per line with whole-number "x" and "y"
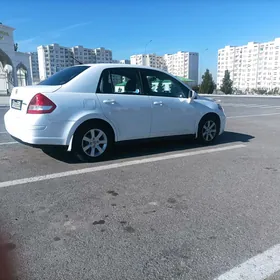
{"x": 87, "y": 108}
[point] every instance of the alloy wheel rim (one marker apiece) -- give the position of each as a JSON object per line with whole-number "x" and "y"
{"x": 209, "y": 130}
{"x": 94, "y": 143}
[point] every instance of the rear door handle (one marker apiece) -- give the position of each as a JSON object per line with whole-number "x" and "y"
{"x": 158, "y": 103}
{"x": 109, "y": 101}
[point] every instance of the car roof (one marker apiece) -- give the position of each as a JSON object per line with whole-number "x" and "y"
{"x": 101, "y": 66}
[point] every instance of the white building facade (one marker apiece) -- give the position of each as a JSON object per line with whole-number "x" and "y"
{"x": 124, "y": 61}
{"x": 14, "y": 65}
{"x": 53, "y": 58}
{"x": 143, "y": 59}
{"x": 151, "y": 60}
{"x": 34, "y": 67}
{"x": 252, "y": 66}
{"x": 183, "y": 64}
{"x": 121, "y": 61}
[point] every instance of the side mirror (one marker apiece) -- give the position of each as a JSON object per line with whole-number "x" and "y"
{"x": 192, "y": 96}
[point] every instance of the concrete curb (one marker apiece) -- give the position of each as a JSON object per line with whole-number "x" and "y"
{"x": 236, "y": 96}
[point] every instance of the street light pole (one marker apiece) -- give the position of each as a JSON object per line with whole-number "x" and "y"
{"x": 146, "y": 51}
{"x": 147, "y": 45}
{"x": 200, "y": 67}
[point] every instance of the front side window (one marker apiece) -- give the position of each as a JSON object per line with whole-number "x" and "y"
{"x": 120, "y": 81}
{"x": 64, "y": 76}
{"x": 156, "y": 83}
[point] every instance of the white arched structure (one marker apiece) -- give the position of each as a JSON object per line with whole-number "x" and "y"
{"x": 6, "y": 73}
{"x": 22, "y": 75}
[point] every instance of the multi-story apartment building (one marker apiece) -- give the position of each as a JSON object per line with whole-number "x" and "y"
{"x": 124, "y": 61}
{"x": 142, "y": 59}
{"x": 255, "y": 65}
{"x": 151, "y": 60}
{"x": 183, "y": 64}
{"x": 82, "y": 55}
{"x": 161, "y": 63}
{"x": 102, "y": 55}
{"x": 34, "y": 67}
{"x": 53, "y": 58}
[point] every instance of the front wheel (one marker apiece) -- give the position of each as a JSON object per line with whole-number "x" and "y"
{"x": 93, "y": 142}
{"x": 208, "y": 130}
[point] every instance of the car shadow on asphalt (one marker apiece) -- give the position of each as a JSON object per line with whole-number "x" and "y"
{"x": 132, "y": 149}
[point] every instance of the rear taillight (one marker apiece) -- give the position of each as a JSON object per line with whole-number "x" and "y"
{"x": 40, "y": 104}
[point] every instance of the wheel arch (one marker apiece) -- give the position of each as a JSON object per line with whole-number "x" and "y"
{"x": 207, "y": 116}
{"x": 86, "y": 121}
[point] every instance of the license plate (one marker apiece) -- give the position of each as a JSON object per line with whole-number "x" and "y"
{"x": 16, "y": 104}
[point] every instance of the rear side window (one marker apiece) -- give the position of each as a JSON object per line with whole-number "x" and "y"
{"x": 120, "y": 81}
{"x": 64, "y": 76}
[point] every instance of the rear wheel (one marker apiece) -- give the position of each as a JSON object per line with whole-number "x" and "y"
{"x": 93, "y": 142}
{"x": 208, "y": 130}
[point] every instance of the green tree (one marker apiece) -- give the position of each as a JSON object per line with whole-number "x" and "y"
{"x": 274, "y": 91}
{"x": 160, "y": 87}
{"x": 227, "y": 84}
{"x": 260, "y": 91}
{"x": 196, "y": 88}
{"x": 207, "y": 85}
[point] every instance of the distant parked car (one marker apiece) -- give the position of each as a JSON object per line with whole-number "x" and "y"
{"x": 87, "y": 108}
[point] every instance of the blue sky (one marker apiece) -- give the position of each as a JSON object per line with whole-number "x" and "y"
{"x": 125, "y": 27}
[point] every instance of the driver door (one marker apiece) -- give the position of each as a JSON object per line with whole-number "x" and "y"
{"x": 171, "y": 112}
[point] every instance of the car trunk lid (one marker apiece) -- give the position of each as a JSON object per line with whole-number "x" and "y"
{"x": 21, "y": 96}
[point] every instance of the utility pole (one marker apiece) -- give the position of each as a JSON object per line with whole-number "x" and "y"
{"x": 200, "y": 68}
{"x": 145, "y": 54}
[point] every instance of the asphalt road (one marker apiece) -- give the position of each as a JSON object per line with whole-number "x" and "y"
{"x": 191, "y": 217}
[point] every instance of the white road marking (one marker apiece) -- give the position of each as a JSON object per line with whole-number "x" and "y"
{"x": 153, "y": 203}
{"x": 261, "y": 106}
{"x": 8, "y": 143}
{"x": 247, "y": 116}
{"x": 115, "y": 165}
{"x": 3, "y": 132}
{"x": 257, "y": 268}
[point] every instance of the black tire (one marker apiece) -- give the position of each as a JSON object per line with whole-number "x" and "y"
{"x": 86, "y": 131}
{"x": 208, "y": 121}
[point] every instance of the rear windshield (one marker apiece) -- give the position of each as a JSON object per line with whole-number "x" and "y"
{"x": 64, "y": 76}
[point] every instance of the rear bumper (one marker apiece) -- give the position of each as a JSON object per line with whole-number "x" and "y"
{"x": 40, "y": 146}
{"x": 36, "y": 130}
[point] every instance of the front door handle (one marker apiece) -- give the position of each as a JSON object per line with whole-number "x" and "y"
{"x": 158, "y": 103}
{"x": 109, "y": 101}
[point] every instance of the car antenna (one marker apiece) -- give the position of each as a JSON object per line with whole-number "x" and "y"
{"x": 76, "y": 60}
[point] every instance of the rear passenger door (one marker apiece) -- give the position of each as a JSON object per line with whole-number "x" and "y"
{"x": 124, "y": 103}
